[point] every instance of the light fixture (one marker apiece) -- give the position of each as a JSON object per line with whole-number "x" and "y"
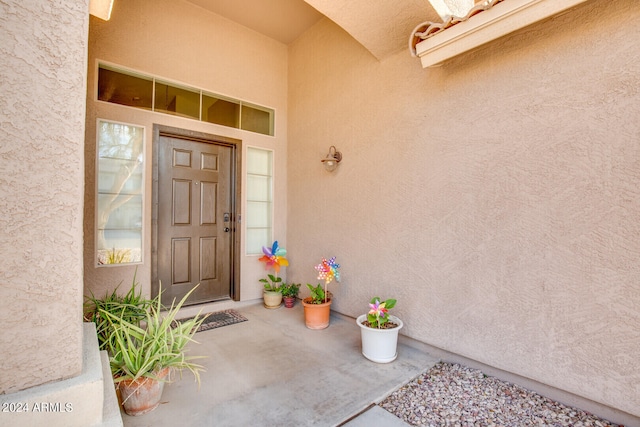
{"x": 333, "y": 158}
{"x": 101, "y": 8}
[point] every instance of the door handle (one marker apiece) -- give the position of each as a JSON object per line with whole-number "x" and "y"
{"x": 227, "y": 229}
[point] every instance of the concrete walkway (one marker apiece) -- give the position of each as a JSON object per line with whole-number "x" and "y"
{"x": 273, "y": 371}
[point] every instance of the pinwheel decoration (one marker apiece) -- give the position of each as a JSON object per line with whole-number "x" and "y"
{"x": 377, "y": 308}
{"x": 377, "y": 315}
{"x": 328, "y": 270}
{"x": 274, "y": 257}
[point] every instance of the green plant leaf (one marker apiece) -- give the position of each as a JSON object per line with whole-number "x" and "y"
{"x": 390, "y": 303}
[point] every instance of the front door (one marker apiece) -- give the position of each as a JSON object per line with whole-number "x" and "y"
{"x": 194, "y": 230}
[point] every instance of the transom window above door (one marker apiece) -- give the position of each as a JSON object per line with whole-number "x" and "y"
{"x": 133, "y": 89}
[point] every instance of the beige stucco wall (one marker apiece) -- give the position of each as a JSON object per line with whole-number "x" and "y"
{"x": 42, "y": 81}
{"x": 496, "y": 197}
{"x": 183, "y": 43}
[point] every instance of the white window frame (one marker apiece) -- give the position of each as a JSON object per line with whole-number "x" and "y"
{"x": 98, "y": 263}
{"x": 258, "y": 251}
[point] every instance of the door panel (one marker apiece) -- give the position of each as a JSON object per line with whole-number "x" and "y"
{"x": 208, "y": 258}
{"x": 180, "y": 261}
{"x": 208, "y": 195}
{"x": 181, "y": 202}
{"x": 194, "y": 199}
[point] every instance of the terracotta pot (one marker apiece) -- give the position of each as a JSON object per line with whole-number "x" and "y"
{"x": 379, "y": 345}
{"x": 316, "y": 316}
{"x": 142, "y": 395}
{"x": 118, "y": 395}
{"x": 272, "y": 299}
{"x": 289, "y": 301}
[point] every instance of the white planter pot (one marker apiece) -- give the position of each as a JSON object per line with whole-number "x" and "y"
{"x": 380, "y": 345}
{"x": 272, "y": 299}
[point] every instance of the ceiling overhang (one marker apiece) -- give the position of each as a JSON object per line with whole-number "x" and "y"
{"x": 380, "y": 26}
{"x": 281, "y": 20}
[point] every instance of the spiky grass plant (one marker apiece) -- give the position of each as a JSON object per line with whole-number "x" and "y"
{"x": 143, "y": 351}
{"x": 130, "y": 307}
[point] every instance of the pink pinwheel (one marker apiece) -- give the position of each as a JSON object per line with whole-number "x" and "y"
{"x": 378, "y": 309}
{"x": 328, "y": 270}
{"x": 274, "y": 257}
{"x": 377, "y": 315}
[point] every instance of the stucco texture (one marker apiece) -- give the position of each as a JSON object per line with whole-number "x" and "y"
{"x": 42, "y": 81}
{"x": 495, "y": 197}
{"x": 185, "y": 44}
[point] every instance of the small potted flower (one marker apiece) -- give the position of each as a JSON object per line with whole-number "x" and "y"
{"x": 289, "y": 293}
{"x": 273, "y": 258}
{"x": 379, "y": 331}
{"x": 317, "y": 307}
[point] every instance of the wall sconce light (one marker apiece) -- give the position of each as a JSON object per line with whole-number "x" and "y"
{"x": 101, "y": 8}
{"x": 333, "y": 158}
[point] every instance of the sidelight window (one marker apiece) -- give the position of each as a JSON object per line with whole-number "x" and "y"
{"x": 258, "y": 215}
{"x": 120, "y": 184}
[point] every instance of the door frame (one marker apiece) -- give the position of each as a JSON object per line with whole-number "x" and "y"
{"x": 236, "y": 197}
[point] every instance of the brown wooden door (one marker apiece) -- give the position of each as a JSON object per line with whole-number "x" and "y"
{"x": 194, "y": 230}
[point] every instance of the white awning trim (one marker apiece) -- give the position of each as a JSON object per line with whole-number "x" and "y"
{"x": 434, "y": 43}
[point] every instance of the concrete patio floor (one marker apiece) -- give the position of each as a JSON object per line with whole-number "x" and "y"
{"x": 273, "y": 371}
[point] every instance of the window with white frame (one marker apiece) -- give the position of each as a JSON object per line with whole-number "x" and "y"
{"x": 259, "y": 193}
{"x": 120, "y": 156}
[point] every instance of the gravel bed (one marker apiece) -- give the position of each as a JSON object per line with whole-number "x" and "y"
{"x": 454, "y": 395}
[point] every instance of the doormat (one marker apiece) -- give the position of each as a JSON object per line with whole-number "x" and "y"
{"x": 219, "y": 319}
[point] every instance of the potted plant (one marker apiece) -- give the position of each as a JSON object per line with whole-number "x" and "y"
{"x": 289, "y": 293}
{"x": 272, "y": 293}
{"x": 142, "y": 359}
{"x": 379, "y": 331}
{"x": 131, "y": 307}
{"x": 317, "y": 307}
{"x": 273, "y": 258}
